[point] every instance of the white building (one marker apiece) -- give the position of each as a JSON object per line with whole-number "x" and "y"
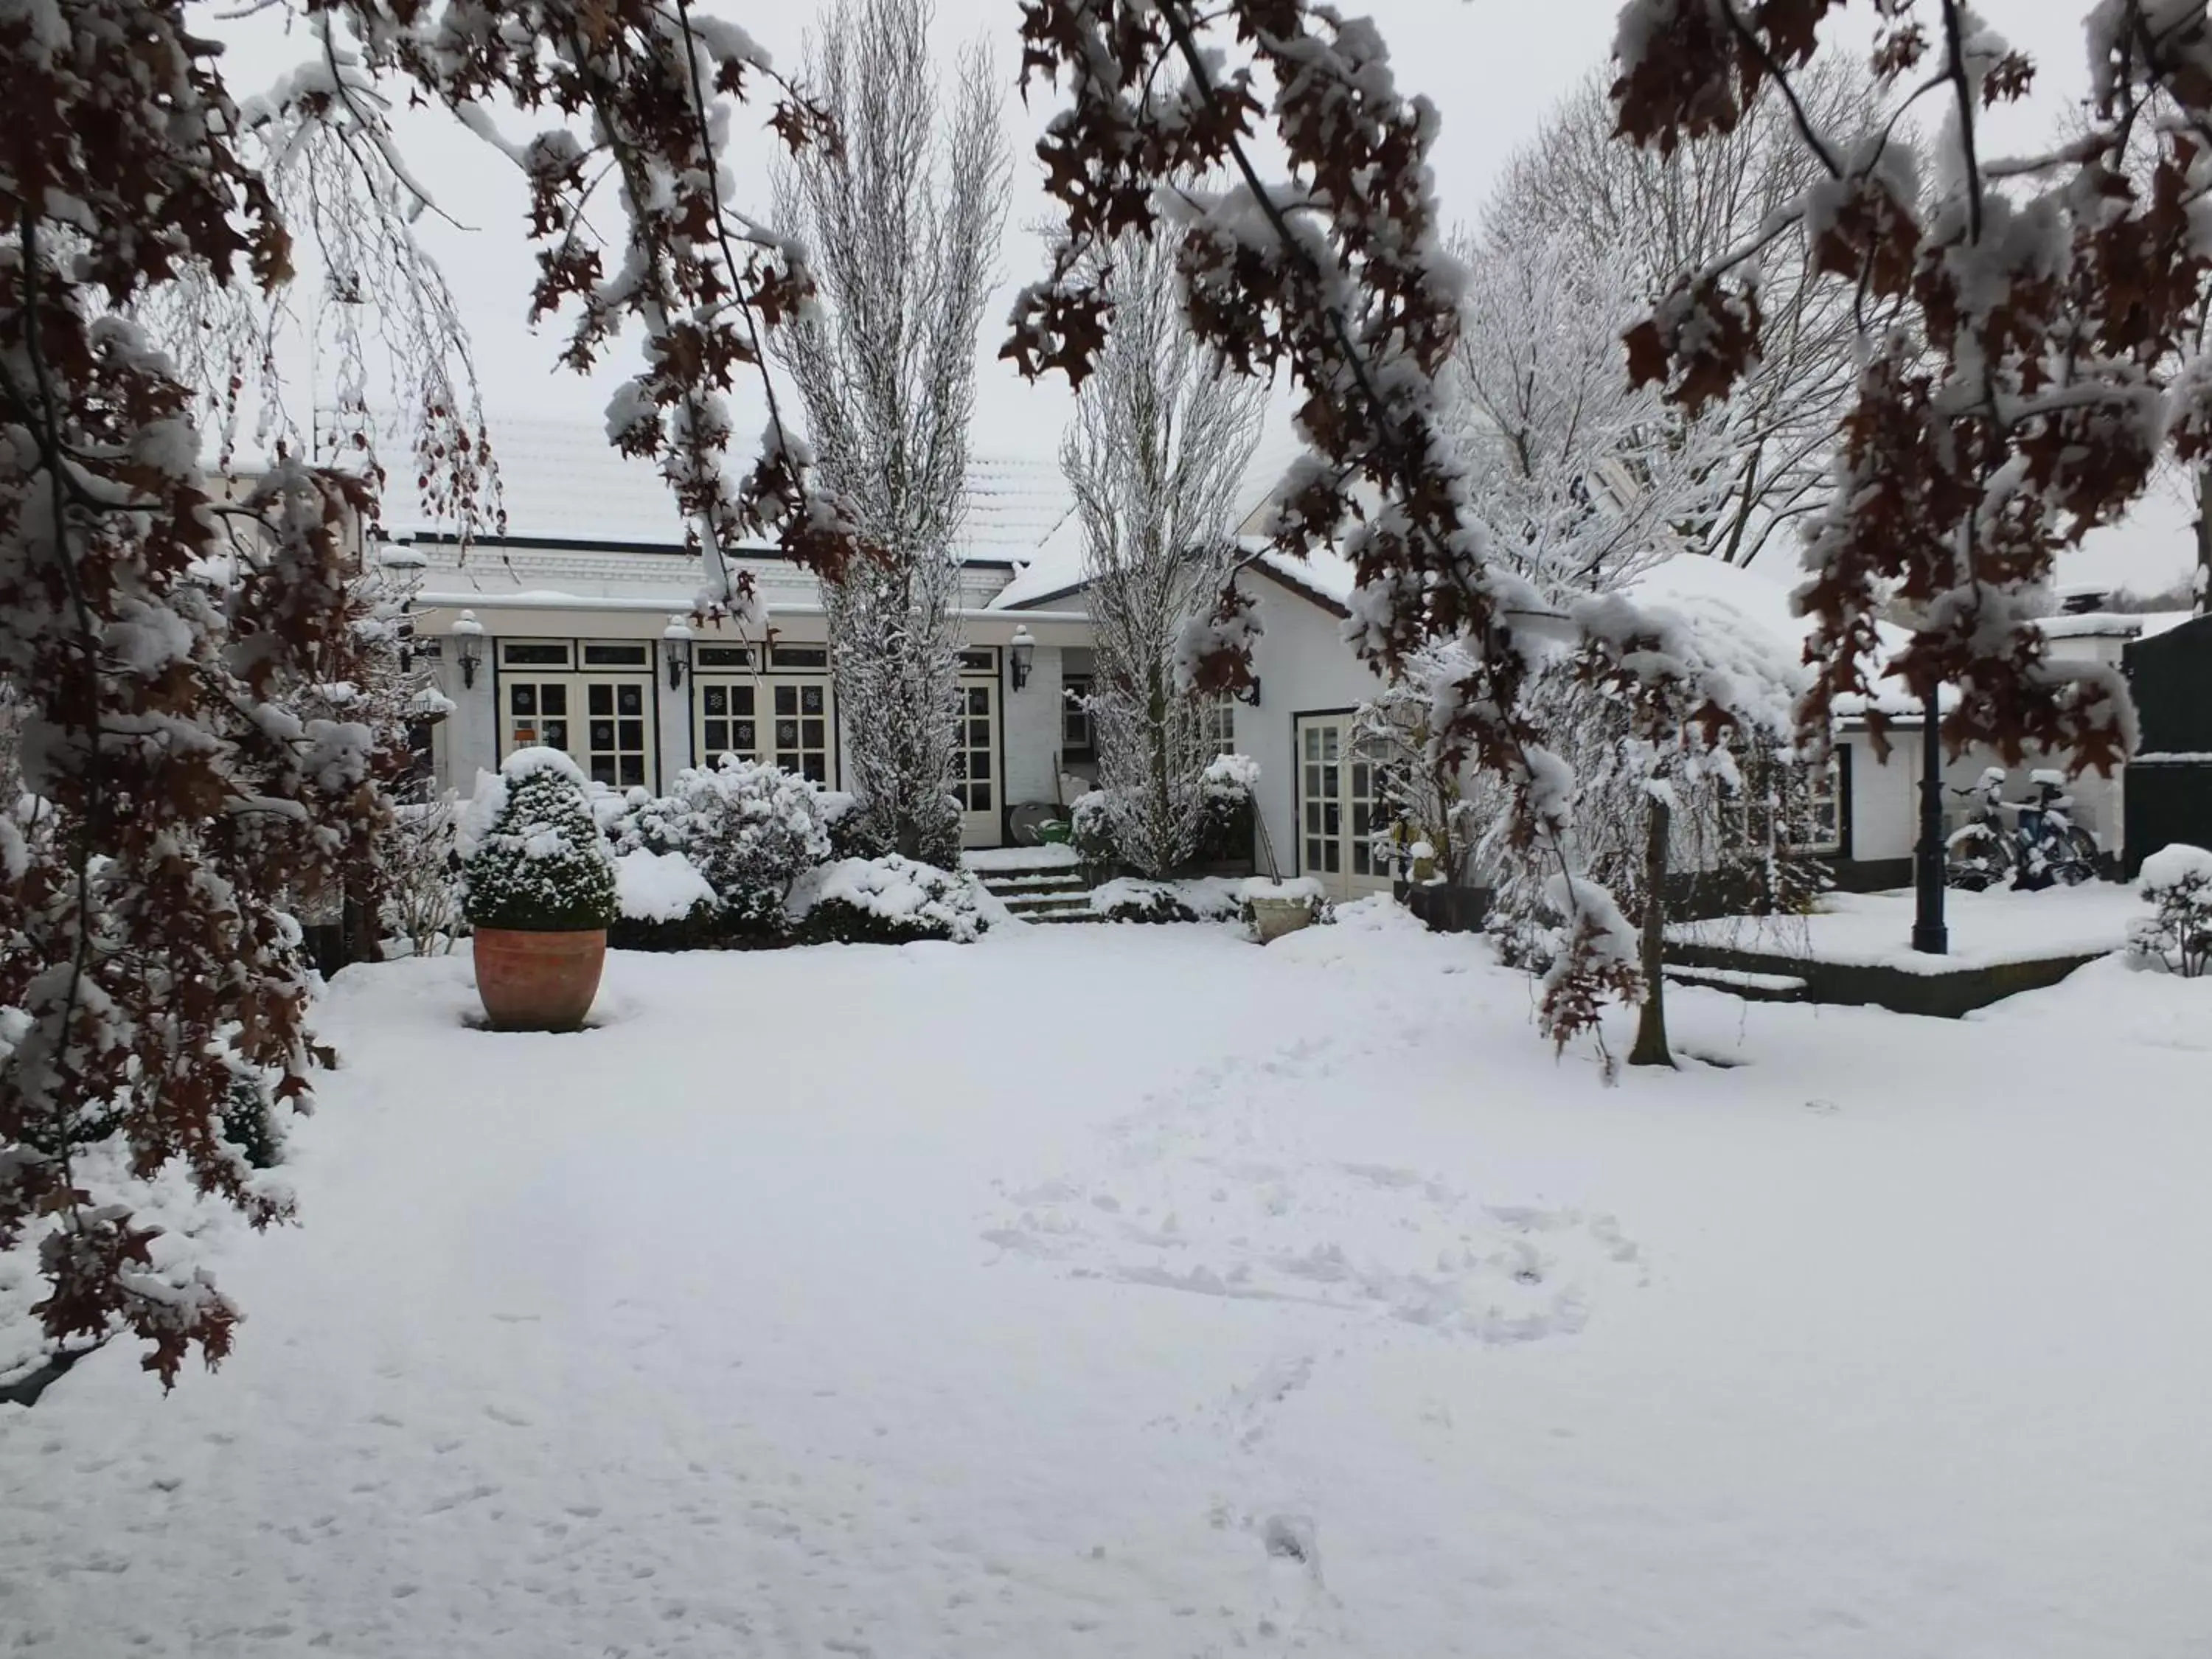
{"x": 571, "y": 629}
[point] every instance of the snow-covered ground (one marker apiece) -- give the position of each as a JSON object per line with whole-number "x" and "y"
{"x": 1996, "y": 925}
{"x": 1136, "y": 1291}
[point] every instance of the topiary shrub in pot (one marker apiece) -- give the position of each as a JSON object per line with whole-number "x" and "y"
{"x": 540, "y": 894}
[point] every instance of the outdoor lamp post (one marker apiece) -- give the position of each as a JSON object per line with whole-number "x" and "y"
{"x": 1023, "y": 648}
{"x": 468, "y": 646}
{"x": 1929, "y": 932}
{"x": 676, "y": 646}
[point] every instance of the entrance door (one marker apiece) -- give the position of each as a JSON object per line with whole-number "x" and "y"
{"x": 976, "y": 762}
{"x": 787, "y": 722}
{"x": 1338, "y": 787}
{"x": 602, "y": 725}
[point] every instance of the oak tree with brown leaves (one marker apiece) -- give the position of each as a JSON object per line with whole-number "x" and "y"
{"x": 174, "y": 646}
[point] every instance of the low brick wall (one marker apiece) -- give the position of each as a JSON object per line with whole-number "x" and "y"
{"x": 1949, "y": 994}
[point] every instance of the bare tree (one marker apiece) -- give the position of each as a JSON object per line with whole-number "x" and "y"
{"x": 1162, "y": 436}
{"x": 1583, "y": 480}
{"x": 1633, "y": 219}
{"x": 902, "y": 220}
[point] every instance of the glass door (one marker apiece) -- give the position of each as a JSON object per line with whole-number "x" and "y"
{"x": 788, "y": 722}
{"x": 975, "y": 762}
{"x": 1338, "y": 790}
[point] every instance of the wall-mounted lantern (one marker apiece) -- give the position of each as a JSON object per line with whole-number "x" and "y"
{"x": 1022, "y": 649}
{"x": 676, "y": 646}
{"x": 468, "y": 646}
{"x": 1250, "y": 694}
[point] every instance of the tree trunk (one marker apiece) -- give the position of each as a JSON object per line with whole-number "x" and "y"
{"x": 1650, "y": 1047}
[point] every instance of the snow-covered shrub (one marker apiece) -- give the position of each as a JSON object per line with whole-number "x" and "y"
{"x": 537, "y": 862}
{"x": 651, "y": 823}
{"x": 755, "y": 829}
{"x": 1129, "y": 898}
{"x": 2177, "y": 882}
{"x": 1225, "y": 829}
{"x": 1090, "y": 831}
{"x": 664, "y": 903}
{"x": 888, "y": 901}
{"x": 421, "y": 902}
{"x": 249, "y": 1123}
{"x": 852, "y": 833}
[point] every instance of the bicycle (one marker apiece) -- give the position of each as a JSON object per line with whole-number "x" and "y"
{"x": 2045, "y": 848}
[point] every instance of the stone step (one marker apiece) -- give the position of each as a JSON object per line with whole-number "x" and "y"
{"x": 1046, "y": 904}
{"x": 1043, "y": 887}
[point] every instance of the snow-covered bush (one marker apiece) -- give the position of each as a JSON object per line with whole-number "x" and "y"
{"x": 1207, "y": 898}
{"x": 888, "y": 901}
{"x": 754, "y": 830}
{"x": 421, "y": 891}
{"x": 651, "y": 823}
{"x": 1090, "y": 831}
{"x": 2177, "y": 882}
{"x": 664, "y": 903}
{"x": 1225, "y": 829}
{"x": 537, "y": 862}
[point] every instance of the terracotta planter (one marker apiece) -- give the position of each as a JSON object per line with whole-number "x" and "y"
{"x": 533, "y": 981}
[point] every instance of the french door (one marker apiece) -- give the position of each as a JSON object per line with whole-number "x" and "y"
{"x": 1338, "y": 788}
{"x": 975, "y": 779}
{"x": 605, "y": 726}
{"x": 786, "y": 722}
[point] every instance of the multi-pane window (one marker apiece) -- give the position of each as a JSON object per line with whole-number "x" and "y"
{"x": 786, "y": 722}
{"x": 972, "y": 759}
{"x": 1217, "y": 724}
{"x": 601, "y": 716}
{"x": 1823, "y": 826}
{"x": 615, "y": 732}
{"x": 1076, "y": 739}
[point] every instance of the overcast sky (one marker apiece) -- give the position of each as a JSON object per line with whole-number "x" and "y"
{"x": 1493, "y": 67}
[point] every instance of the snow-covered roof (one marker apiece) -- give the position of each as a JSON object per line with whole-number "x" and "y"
{"x": 560, "y": 480}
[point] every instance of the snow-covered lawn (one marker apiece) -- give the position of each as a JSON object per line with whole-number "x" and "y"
{"x": 1136, "y": 1291}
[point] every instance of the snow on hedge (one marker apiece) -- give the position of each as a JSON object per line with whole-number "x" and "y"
{"x": 652, "y": 886}
{"x": 903, "y": 896}
{"x": 2175, "y": 867}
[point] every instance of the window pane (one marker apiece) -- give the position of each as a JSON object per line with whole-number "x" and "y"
{"x": 633, "y": 733}
{"x": 741, "y": 700}
{"x": 629, "y": 700}
{"x": 979, "y": 765}
{"x": 811, "y": 734}
{"x": 718, "y": 737}
{"x": 602, "y": 769}
{"x": 815, "y": 769}
{"x": 614, "y": 656}
{"x": 722, "y": 656}
{"x": 786, "y": 700}
{"x": 522, "y": 699}
{"x": 801, "y": 656}
{"x": 600, "y": 699}
{"x": 1328, "y": 858}
{"x": 979, "y": 700}
{"x": 788, "y": 759}
{"x": 603, "y": 734}
{"x": 810, "y": 699}
{"x": 716, "y": 699}
{"x": 979, "y": 734}
{"x": 633, "y": 769}
{"x": 979, "y": 797}
{"x": 743, "y": 732}
{"x": 539, "y": 655}
{"x": 1360, "y": 859}
{"x": 556, "y": 734}
{"x": 553, "y": 699}
{"x": 786, "y": 734}
{"x": 1313, "y": 855}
